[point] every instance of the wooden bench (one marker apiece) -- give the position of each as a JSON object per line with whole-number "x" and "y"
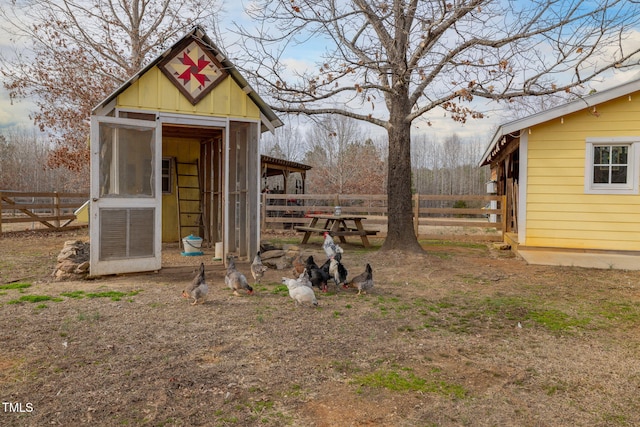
{"x": 310, "y": 229}
{"x": 367, "y": 232}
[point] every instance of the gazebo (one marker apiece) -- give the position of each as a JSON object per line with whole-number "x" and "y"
{"x": 274, "y": 167}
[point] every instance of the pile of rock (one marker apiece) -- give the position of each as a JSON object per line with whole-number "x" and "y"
{"x": 73, "y": 261}
{"x": 278, "y": 258}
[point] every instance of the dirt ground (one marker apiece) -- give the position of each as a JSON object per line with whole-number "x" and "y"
{"x": 463, "y": 335}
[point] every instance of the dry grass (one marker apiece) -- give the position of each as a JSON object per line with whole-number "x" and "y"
{"x": 463, "y": 335}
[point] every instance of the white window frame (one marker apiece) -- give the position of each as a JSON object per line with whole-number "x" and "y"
{"x": 633, "y": 164}
{"x": 168, "y": 175}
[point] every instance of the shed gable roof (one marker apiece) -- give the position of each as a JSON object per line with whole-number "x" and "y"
{"x": 515, "y": 126}
{"x": 269, "y": 118}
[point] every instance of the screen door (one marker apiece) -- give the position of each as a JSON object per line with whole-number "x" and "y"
{"x": 126, "y": 197}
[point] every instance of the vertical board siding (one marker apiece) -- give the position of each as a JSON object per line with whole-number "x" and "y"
{"x": 185, "y": 150}
{"x": 559, "y": 213}
{"x": 153, "y": 91}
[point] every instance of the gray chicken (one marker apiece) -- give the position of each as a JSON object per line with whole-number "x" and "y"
{"x": 198, "y": 288}
{"x": 258, "y": 268}
{"x": 235, "y": 280}
{"x": 363, "y": 282}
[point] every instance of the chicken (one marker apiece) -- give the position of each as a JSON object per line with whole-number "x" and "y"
{"x": 337, "y": 271}
{"x": 235, "y": 280}
{"x": 300, "y": 291}
{"x": 330, "y": 248}
{"x": 363, "y": 282}
{"x": 258, "y": 268}
{"x": 310, "y": 263}
{"x": 198, "y": 288}
{"x": 333, "y": 269}
{"x": 298, "y": 266}
{"x": 318, "y": 276}
{"x": 302, "y": 280}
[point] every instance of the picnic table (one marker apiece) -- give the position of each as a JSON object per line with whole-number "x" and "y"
{"x": 338, "y": 226}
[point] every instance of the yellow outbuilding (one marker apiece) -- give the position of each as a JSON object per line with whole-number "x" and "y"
{"x": 175, "y": 153}
{"x": 571, "y": 176}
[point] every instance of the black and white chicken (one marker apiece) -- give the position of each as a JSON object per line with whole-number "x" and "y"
{"x": 338, "y": 271}
{"x": 258, "y": 268}
{"x": 329, "y": 246}
{"x": 362, "y": 282}
{"x": 198, "y": 288}
{"x": 334, "y": 270}
{"x": 235, "y": 280}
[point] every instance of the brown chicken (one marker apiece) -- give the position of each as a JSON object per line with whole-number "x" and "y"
{"x": 298, "y": 266}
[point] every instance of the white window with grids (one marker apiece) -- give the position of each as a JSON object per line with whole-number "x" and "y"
{"x": 611, "y": 166}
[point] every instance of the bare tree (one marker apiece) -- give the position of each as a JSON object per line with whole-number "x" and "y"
{"x": 70, "y": 54}
{"x": 449, "y": 166}
{"x": 393, "y": 62}
{"x": 23, "y": 158}
{"x": 285, "y": 143}
{"x": 344, "y": 161}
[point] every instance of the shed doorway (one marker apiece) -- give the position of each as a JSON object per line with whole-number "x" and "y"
{"x": 215, "y": 185}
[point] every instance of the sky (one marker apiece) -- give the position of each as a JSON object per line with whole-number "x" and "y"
{"x": 11, "y": 113}
{"x": 16, "y": 113}
{"x": 441, "y": 126}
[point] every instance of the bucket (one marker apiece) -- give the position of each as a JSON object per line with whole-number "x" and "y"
{"x": 218, "y": 253}
{"x": 191, "y": 245}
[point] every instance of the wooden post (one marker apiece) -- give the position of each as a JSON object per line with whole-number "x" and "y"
{"x": 503, "y": 206}
{"x": 416, "y": 214}
{"x": 56, "y": 208}
{"x": 263, "y": 211}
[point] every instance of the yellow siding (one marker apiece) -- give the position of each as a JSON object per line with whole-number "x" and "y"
{"x": 187, "y": 151}
{"x": 153, "y": 91}
{"x": 559, "y": 213}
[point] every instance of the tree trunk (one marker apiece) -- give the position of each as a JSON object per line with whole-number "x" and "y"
{"x": 400, "y": 234}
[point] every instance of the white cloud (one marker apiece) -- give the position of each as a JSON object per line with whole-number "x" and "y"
{"x": 16, "y": 113}
{"x": 297, "y": 66}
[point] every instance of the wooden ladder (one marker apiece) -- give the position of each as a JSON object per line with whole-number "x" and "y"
{"x": 189, "y": 199}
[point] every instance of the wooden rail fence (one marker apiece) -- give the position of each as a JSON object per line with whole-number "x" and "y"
{"x": 478, "y": 212}
{"x": 54, "y": 210}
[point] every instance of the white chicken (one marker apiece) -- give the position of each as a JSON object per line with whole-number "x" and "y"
{"x": 235, "y": 280}
{"x": 258, "y": 268}
{"x": 362, "y": 282}
{"x": 300, "y": 289}
{"x": 198, "y": 288}
{"x": 302, "y": 280}
{"x": 329, "y": 246}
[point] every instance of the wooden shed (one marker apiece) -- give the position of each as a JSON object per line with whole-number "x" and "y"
{"x": 571, "y": 176}
{"x": 277, "y": 175}
{"x": 175, "y": 152}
